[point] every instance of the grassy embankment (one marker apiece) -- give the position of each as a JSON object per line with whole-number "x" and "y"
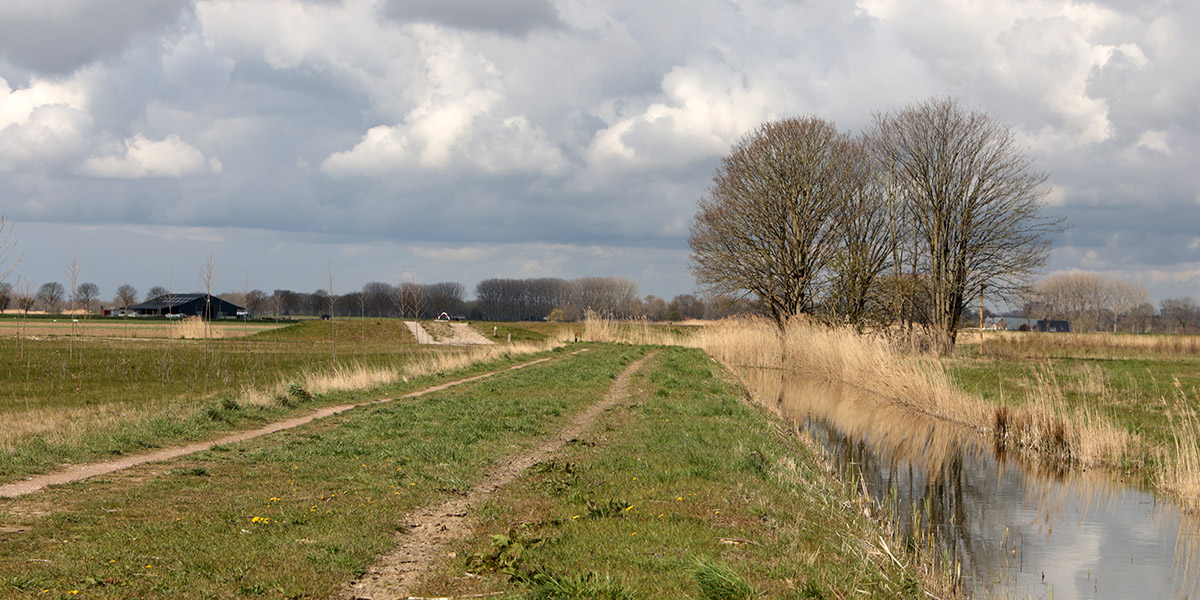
{"x": 67, "y": 399}
{"x": 1067, "y": 401}
{"x": 682, "y": 491}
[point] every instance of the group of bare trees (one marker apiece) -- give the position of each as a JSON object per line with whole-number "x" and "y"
{"x": 1090, "y": 301}
{"x": 932, "y": 206}
{"x": 535, "y": 299}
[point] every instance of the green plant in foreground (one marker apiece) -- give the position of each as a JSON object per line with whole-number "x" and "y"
{"x": 718, "y": 581}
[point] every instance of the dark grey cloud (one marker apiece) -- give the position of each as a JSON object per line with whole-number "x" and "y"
{"x": 62, "y": 36}
{"x": 513, "y": 17}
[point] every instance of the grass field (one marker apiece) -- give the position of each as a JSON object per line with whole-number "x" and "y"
{"x": 683, "y": 491}
{"x": 66, "y": 399}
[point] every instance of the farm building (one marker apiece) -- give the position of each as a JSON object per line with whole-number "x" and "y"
{"x": 1018, "y": 324}
{"x": 188, "y": 305}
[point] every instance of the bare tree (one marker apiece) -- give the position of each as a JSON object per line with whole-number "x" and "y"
{"x": 6, "y": 295}
{"x": 25, "y": 296}
{"x": 767, "y": 226}
{"x": 1182, "y": 312}
{"x": 866, "y": 247}
{"x": 51, "y": 296}
{"x": 156, "y": 292}
{"x": 255, "y": 301}
{"x": 87, "y": 292}
{"x": 126, "y": 296}
{"x": 1125, "y": 296}
{"x": 975, "y": 207}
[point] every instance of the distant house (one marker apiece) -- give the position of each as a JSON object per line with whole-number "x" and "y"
{"x": 187, "y": 305}
{"x": 1019, "y": 324}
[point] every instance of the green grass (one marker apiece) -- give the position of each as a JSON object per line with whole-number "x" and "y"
{"x": 1135, "y": 392}
{"x": 524, "y": 331}
{"x": 682, "y": 491}
{"x": 294, "y": 514}
{"x": 65, "y": 401}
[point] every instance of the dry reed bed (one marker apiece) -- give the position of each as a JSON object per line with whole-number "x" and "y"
{"x": 1043, "y": 429}
{"x": 1100, "y": 345}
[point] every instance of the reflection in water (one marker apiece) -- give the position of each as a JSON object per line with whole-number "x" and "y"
{"x": 1014, "y": 531}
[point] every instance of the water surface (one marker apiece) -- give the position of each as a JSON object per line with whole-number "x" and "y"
{"x": 1014, "y": 531}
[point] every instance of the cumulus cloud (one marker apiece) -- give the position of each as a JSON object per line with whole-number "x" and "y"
{"x": 458, "y": 122}
{"x": 46, "y": 122}
{"x": 142, "y": 158}
{"x": 705, "y": 110}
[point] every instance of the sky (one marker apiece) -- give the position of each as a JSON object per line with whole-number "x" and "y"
{"x": 441, "y": 140}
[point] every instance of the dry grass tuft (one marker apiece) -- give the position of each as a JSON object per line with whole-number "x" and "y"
{"x": 597, "y": 328}
{"x": 195, "y": 328}
{"x": 361, "y": 377}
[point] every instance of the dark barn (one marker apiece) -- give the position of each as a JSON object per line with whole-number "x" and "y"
{"x": 188, "y": 305}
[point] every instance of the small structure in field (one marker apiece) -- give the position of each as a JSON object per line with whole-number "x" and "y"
{"x": 186, "y": 305}
{"x": 1019, "y": 324}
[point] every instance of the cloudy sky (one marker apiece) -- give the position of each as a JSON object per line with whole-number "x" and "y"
{"x": 461, "y": 140}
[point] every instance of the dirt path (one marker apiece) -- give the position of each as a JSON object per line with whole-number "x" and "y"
{"x": 431, "y": 530}
{"x": 83, "y": 471}
{"x": 461, "y": 334}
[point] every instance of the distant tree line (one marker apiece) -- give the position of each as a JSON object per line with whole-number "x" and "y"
{"x": 496, "y": 299}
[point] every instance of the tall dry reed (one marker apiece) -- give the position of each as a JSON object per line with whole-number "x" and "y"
{"x": 1043, "y": 429}
{"x": 1180, "y": 474}
{"x": 1098, "y": 345}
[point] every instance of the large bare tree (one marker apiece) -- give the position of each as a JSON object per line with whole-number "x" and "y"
{"x": 975, "y": 206}
{"x": 768, "y": 225}
{"x": 866, "y": 241}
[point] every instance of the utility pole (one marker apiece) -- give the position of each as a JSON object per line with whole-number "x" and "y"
{"x": 981, "y": 287}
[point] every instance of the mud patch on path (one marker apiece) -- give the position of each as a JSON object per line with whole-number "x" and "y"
{"x": 431, "y": 530}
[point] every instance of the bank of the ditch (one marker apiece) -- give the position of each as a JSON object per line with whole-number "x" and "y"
{"x": 684, "y": 490}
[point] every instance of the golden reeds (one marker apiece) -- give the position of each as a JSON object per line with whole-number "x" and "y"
{"x": 1180, "y": 473}
{"x": 1106, "y": 345}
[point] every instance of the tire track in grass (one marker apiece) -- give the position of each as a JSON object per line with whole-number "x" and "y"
{"x": 431, "y": 530}
{"x": 86, "y": 470}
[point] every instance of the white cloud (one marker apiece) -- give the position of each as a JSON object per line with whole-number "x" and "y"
{"x": 45, "y": 122}
{"x": 459, "y": 122}
{"x": 703, "y": 112}
{"x": 142, "y": 158}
